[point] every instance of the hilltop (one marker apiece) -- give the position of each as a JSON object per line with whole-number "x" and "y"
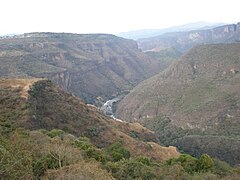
{"x": 94, "y": 67}
{"x": 194, "y": 104}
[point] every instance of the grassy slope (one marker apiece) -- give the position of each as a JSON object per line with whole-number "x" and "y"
{"x": 48, "y": 107}
{"x": 164, "y": 57}
{"x": 198, "y": 95}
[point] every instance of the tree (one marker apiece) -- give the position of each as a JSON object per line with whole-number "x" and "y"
{"x": 118, "y": 152}
{"x": 205, "y": 162}
{"x": 189, "y": 163}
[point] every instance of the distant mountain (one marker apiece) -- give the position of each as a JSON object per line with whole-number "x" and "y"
{"x": 195, "y": 103}
{"x": 94, "y": 67}
{"x": 182, "y": 41}
{"x": 147, "y": 33}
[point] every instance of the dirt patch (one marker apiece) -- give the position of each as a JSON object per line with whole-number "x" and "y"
{"x": 22, "y": 84}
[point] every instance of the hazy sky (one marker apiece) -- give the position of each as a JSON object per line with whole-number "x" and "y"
{"x": 110, "y": 16}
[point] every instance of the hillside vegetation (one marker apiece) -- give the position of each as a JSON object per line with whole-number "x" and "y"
{"x": 194, "y": 104}
{"x": 48, "y": 107}
{"x": 36, "y": 120}
{"x": 94, "y": 67}
{"x": 165, "y": 57}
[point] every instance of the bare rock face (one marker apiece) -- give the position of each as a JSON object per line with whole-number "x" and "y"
{"x": 182, "y": 41}
{"x": 96, "y": 66}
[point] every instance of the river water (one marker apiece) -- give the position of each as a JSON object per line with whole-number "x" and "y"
{"x": 108, "y": 105}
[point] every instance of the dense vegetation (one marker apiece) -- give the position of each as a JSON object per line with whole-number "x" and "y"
{"x": 55, "y": 154}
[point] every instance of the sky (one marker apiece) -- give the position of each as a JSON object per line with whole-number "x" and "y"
{"x": 110, "y": 16}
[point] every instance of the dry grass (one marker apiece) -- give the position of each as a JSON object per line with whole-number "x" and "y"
{"x": 141, "y": 148}
{"x": 22, "y": 84}
{"x": 79, "y": 171}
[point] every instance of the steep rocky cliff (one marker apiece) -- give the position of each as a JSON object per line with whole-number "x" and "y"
{"x": 92, "y": 66}
{"x": 183, "y": 41}
{"x": 194, "y": 104}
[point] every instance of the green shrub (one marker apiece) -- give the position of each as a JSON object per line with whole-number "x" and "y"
{"x": 55, "y": 132}
{"x": 41, "y": 164}
{"x": 134, "y": 134}
{"x": 144, "y": 160}
{"x": 97, "y": 154}
{"x": 189, "y": 163}
{"x": 93, "y": 132}
{"x": 131, "y": 169}
{"x": 112, "y": 167}
{"x": 52, "y": 163}
{"x": 83, "y": 143}
{"x": 205, "y": 163}
{"x": 91, "y": 151}
{"x": 116, "y": 156}
{"x": 6, "y": 128}
{"x": 221, "y": 167}
{"x": 118, "y": 152}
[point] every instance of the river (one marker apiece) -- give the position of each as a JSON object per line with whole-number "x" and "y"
{"x": 107, "y": 107}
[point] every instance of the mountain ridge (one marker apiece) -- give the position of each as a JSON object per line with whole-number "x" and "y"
{"x": 183, "y": 41}
{"x": 147, "y": 33}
